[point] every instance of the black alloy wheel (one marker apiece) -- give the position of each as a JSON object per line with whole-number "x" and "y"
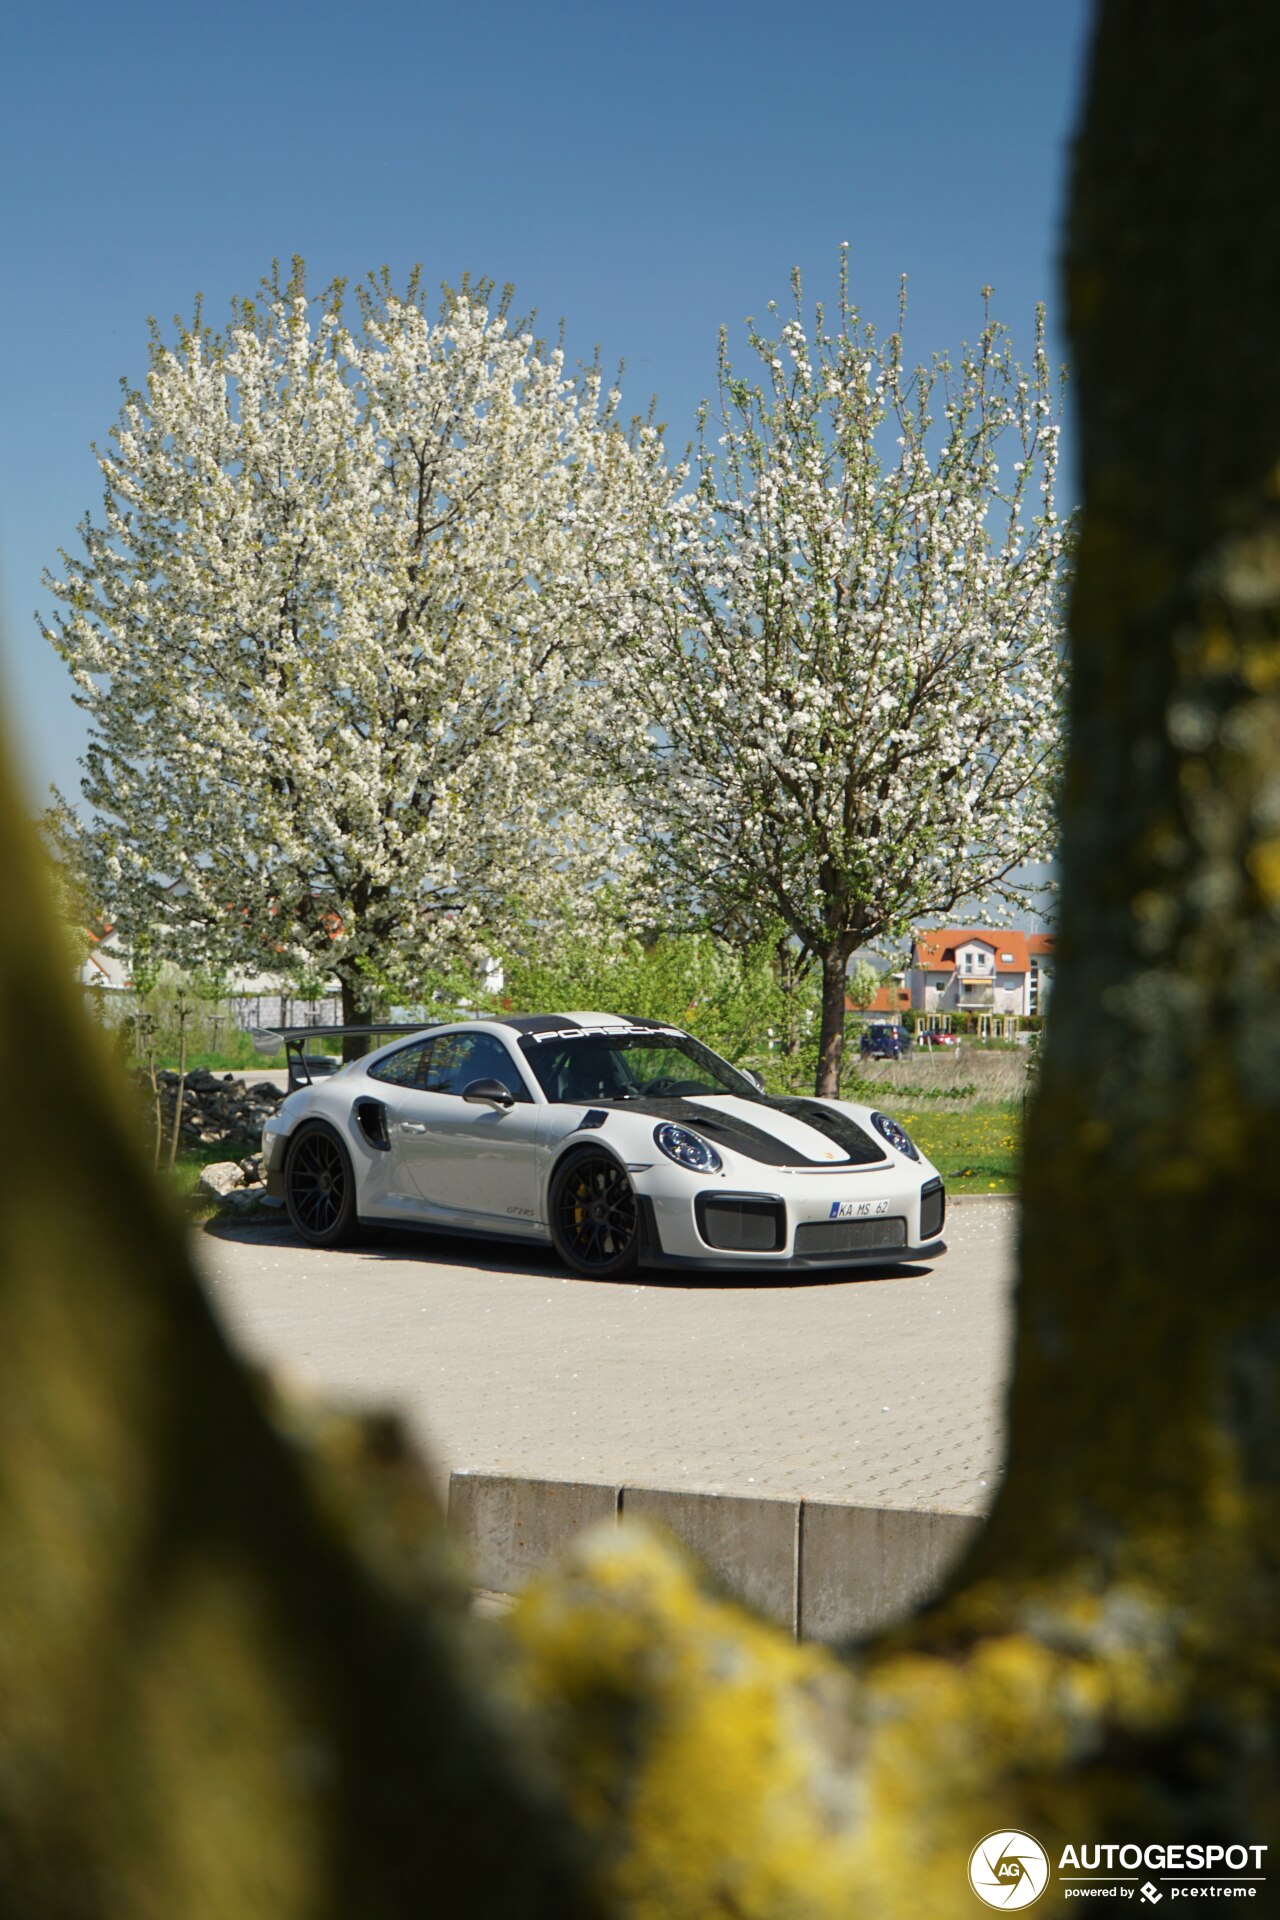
{"x": 595, "y": 1217}
{"x": 320, "y": 1188}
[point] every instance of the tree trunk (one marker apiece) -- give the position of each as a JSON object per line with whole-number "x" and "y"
{"x": 1143, "y": 1425}
{"x": 790, "y": 960}
{"x": 835, "y": 962}
{"x": 356, "y": 1012}
{"x": 180, "y": 1091}
{"x": 233, "y": 1680}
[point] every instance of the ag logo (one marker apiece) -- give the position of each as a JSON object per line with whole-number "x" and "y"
{"x": 1008, "y": 1869}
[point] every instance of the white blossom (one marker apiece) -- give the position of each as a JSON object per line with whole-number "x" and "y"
{"x": 856, "y": 683}
{"x": 340, "y": 632}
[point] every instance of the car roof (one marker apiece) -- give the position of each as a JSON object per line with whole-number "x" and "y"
{"x": 532, "y": 1025}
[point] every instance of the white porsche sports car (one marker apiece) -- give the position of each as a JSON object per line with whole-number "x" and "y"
{"x": 622, "y": 1142}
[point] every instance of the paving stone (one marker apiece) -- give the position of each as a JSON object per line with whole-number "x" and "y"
{"x": 864, "y": 1389}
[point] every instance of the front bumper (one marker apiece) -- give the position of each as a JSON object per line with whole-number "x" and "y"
{"x": 713, "y": 1260}
{"x": 890, "y": 1217}
{"x": 274, "y": 1146}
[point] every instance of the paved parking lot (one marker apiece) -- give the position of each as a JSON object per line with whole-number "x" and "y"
{"x": 882, "y": 1387}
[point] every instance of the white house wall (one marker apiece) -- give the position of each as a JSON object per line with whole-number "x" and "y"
{"x": 940, "y": 992}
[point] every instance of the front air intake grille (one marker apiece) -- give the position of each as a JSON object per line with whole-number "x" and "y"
{"x": 741, "y": 1225}
{"x": 933, "y": 1209}
{"x": 850, "y": 1236}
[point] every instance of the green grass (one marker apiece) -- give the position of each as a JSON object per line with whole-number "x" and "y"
{"x": 977, "y": 1151}
{"x": 238, "y": 1060}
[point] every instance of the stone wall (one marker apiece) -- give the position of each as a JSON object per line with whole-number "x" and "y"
{"x": 217, "y": 1111}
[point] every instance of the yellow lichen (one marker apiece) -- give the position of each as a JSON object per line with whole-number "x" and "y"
{"x": 707, "y": 1755}
{"x": 721, "y": 1771}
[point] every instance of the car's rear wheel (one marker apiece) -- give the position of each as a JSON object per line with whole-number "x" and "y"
{"x": 320, "y": 1188}
{"x": 595, "y": 1216}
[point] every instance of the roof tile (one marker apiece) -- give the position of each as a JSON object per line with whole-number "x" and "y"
{"x": 935, "y": 951}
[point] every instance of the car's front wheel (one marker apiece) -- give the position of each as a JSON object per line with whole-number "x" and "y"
{"x": 320, "y": 1188}
{"x": 595, "y": 1216}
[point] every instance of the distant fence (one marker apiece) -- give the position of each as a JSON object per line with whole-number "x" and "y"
{"x": 254, "y": 1011}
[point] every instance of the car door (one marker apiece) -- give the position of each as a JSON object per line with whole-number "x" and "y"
{"x": 473, "y": 1164}
{"x": 388, "y": 1187}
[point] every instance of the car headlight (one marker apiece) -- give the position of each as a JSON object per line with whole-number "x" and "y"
{"x": 896, "y": 1136}
{"x": 686, "y": 1149}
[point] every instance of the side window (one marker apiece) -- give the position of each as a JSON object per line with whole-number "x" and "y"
{"x": 456, "y": 1059}
{"x": 442, "y": 1064}
{"x": 490, "y": 1060}
{"x": 402, "y": 1068}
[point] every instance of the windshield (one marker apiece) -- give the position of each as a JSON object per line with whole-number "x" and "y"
{"x": 661, "y": 1065}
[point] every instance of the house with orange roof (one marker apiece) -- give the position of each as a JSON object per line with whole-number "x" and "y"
{"x": 886, "y": 1003}
{"x": 983, "y": 970}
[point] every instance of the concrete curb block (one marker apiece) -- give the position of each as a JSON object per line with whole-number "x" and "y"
{"x": 752, "y": 1547}
{"x": 821, "y": 1570}
{"x": 513, "y": 1527}
{"x": 868, "y": 1567}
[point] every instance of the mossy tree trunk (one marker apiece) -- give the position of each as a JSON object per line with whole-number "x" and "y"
{"x": 1124, "y": 1600}
{"x": 236, "y": 1676}
{"x": 1145, "y": 1419}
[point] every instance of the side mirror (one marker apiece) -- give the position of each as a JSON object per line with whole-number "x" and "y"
{"x": 756, "y": 1079}
{"x": 488, "y": 1093}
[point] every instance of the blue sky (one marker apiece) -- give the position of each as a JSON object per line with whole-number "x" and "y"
{"x": 646, "y": 173}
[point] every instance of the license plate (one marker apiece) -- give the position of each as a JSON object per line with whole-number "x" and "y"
{"x": 857, "y": 1209}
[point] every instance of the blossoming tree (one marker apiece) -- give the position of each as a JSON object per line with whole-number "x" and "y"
{"x": 335, "y": 632}
{"x": 857, "y": 680}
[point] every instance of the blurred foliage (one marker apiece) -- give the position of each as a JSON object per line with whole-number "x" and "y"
{"x": 236, "y": 1674}
{"x": 76, "y": 913}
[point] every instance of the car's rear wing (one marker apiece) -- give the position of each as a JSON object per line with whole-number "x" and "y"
{"x": 294, "y": 1041}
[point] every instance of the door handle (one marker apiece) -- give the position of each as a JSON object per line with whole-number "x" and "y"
{"x": 413, "y": 1126}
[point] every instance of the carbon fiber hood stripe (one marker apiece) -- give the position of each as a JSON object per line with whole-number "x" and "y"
{"x": 753, "y": 1142}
